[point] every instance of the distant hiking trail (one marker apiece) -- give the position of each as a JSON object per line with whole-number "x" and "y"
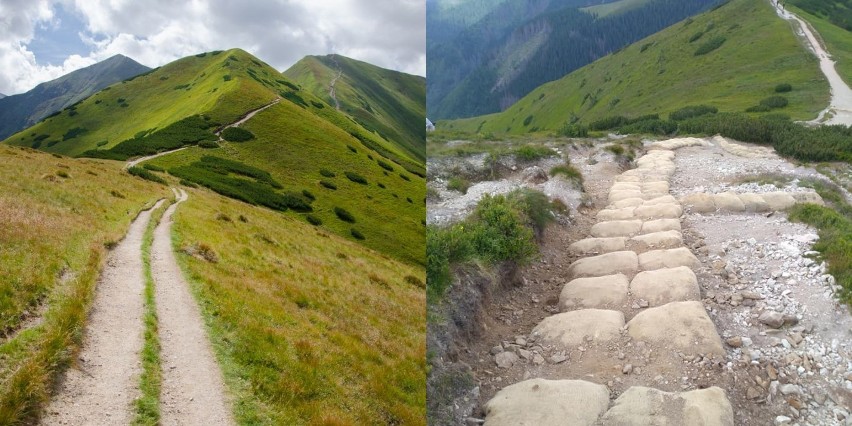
{"x": 841, "y": 95}
{"x": 193, "y": 392}
{"x": 333, "y": 82}
{"x": 101, "y": 387}
{"x": 238, "y": 123}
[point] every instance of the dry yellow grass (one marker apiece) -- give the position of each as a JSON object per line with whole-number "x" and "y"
{"x": 309, "y": 328}
{"x": 57, "y": 216}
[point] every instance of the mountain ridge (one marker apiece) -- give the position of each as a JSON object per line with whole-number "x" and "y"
{"x": 25, "y": 109}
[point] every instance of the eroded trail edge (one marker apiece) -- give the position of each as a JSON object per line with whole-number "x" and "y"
{"x": 101, "y": 388}
{"x": 193, "y": 392}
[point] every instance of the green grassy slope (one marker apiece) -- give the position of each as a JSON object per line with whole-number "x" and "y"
{"x": 662, "y": 73}
{"x": 386, "y": 101}
{"x": 838, "y": 40}
{"x": 294, "y": 140}
{"x": 294, "y": 147}
{"x": 23, "y": 110}
{"x": 620, "y": 6}
{"x": 309, "y": 329}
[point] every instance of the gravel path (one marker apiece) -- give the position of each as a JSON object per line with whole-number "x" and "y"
{"x": 101, "y": 387}
{"x": 193, "y": 392}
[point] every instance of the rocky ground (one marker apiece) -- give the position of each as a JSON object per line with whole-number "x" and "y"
{"x": 787, "y": 352}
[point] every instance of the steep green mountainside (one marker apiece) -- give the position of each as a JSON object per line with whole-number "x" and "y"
{"x": 25, "y": 109}
{"x": 738, "y": 54}
{"x": 511, "y": 51}
{"x": 446, "y": 18}
{"x": 838, "y": 12}
{"x": 391, "y": 103}
{"x": 302, "y": 157}
{"x": 837, "y": 39}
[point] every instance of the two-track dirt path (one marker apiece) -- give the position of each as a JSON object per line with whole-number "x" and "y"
{"x": 101, "y": 387}
{"x": 193, "y": 392}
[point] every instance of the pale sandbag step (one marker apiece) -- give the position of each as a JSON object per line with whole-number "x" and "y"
{"x": 571, "y": 329}
{"x": 672, "y": 144}
{"x": 640, "y": 405}
{"x": 655, "y": 241}
{"x": 678, "y": 326}
{"x": 594, "y": 246}
{"x": 660, "y": 225}
{"x": 667, "y": 258}
{"x": 606, "y": 292}
{"x": 658, "y": 211}
{"x": 747, "y": 202}
{"x": 636, "y": 202}
{"x": 625, "y": 213}
{"x": 665, "y": 285}
{"x": 545, "y": 402}
{"x": 616, "y": 228}
{"x": 617, "y": 262}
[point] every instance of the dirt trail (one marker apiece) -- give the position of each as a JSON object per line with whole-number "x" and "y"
{"x": 840, "y": 106}
{"x": 663, "y": 309}
{"x": 247, "y": 117}
{"x": 193, "y": 392}
{"x": 333, "y": 82}
{"x": 102, "y": 386}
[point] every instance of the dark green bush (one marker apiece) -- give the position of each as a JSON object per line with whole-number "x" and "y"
{"x": 317, "y": 104}
{"x": 294, "y": 98}
{"x": 773, "y": 102}
{"x": 344, "y": 215}
{"x": 783, "y": 88}
{"x": 187, "y": 131}
{"x": 574, "y": 131}
{"x": 145, "y": 174}
{"x": 710, "y": 45}
{"x": 352, "y": 148}
{"x": 308, "y": 195}
{"x": 208, "y": 144}
{"x": 692, "y": 111}
{"x": 355, "y": 177}
{"x": 73, "y": 133}
{"x": 355, "y": 233}
{"x": 328, "y": 184}
{"x": 236, "y": 134}
{"x": 313, "y": 220}
{"x": 327, "y": 173}
{"x": 381, "y": 185}
{"x": 528, "y": 120}
{"x": 51, "y": 143}
{"x": 404, "y": 177}
{"x": 102, "y": 143}
{"x": 758, "y": 108}
{"x": 226, "y": 77}
{"x": 385, "y": 165}
{"x": 696, "y": 36}
{"x": 40, "y": 138}
{"x": 533, "y": 152}
{"x": 190, "y": 184}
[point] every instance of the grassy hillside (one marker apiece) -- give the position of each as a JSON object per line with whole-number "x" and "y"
{"x": 838, "y": 40}
{"x": 184, "y": 102}
{"x": 23, "y": 110}
{"x": 58, "y": 216}
{"x": 309, "y": 328}
{"x": 620, "y": 6}
{"x": 663, "y": 73}
{"x": 381, "y": 100}
{"x": 295, "y": 148}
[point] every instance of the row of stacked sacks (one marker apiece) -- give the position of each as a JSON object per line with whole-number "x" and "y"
{"x": 700, "y": 202}
{"x": 635, "y": 252}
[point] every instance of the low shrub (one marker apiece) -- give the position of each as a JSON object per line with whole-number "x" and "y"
{"x": 569, "y": 171}
{"x": 459, "y": 184}
{"x": 574, "y": 131}
{"x": 327, "y": 173}
{"x": 237, "y": 134}
{"x": 783, "y": 88}
{"x": 385, "y": 165}
{"x": 328, "y": 184}
{"x": 773, "y": 102}
{"x": 355, "y": 177}
{"x": 73, "y": 133}
{"x": 692, "y": 111}
{"x": 404, "y": 177}
{"x": 313, "y": 220}
{"x": 308, "y": 195}
{"x": 710, "y": 45}
{"x": 358, "y": 235}
{"x": 344, "y": 215}
{"x": 208, "y": 144}
{"x": 145, "y": 174}
{"x": 758, "y": 108}
{"x": 532, "y": 152}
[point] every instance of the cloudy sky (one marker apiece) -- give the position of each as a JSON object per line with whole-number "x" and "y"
{"x": 44, "y": 39}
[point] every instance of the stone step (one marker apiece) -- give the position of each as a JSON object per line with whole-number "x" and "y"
{"x": 655, "y": 241}
{"x": 639, "y": 405}
{"x": 672, "y": 144}
{"x": 542, "y": 402}
{"x": 747, "y": 202}
{"x": 677, "y": 326}
{"x": 666, "y": 285}
{"x": 667, "y": 258}
{"x": 597, "y": 245}
{"x": 616, "y": 228}
{"x": 644, "y": 212}
{"x": 660, "y": 225}
{"x": 617, "y": 262}
{"x": 606, "y": 292}
{"x": 570, "y": 329}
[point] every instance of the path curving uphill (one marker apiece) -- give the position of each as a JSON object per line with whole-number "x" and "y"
{"x": 101, "y": 387}
{"x": 840, "y": 108}
{"x": 193, "y": 392}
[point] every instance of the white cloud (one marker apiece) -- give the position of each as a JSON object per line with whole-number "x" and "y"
{"x": 388, "y": 33}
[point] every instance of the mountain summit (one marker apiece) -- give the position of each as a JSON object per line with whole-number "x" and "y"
{"x": 20, "y": 111}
